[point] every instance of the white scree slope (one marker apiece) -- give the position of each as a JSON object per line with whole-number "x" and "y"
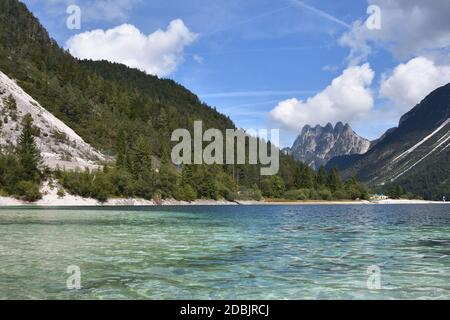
{"x": 59, "y": 144}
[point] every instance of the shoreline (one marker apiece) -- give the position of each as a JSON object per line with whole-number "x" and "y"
{"x": 51, "y": 200}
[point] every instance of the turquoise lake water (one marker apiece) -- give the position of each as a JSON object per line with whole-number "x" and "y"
{"x": 229, "y": 252}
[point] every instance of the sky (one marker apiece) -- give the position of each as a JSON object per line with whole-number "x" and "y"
{"x": 272, "y": 63}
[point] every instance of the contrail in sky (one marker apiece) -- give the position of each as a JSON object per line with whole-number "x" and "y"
{"x": 321, "y": 13}
{"x": 254, "y": 94}
{"x": 249, "y": 20}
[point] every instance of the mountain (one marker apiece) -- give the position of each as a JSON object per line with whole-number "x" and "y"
{"x": 416, "y": 154}
{"x": 316, "y": 146}
{"x": 384, "y": 135}
{"x": 345, "y": 161}
{"x": 97, "y": 99}
{"x": 59, "y": 144}
{"x": 123, "y": 113}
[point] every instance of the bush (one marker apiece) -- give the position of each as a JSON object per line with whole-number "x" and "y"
{"x": 273, "y": 187}
{"x": 296, "y": 195}
{"x": 228, "y": 194}
{"x": 325, "y": 194}
{"x": 61, "y": 193}
{"x": 341, "y": 195}
{"x": 256, "y": 194}
{"x": 143, "y": 189}
{"x": 123, "y": 183}
{"x": 28, "y": 191}
{"x": 249, "y": 194}
{"x": 314, "y": 194}
{"x": 189, "y": 194}
{"x": 101, "y": 195}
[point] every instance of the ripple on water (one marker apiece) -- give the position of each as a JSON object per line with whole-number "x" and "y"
{"x": 273, "y": 252}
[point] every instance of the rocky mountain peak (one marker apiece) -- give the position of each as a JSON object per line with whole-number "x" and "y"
{"x": 339, "y": 127}
{"x": 317, "y": 146}
{"x": 328, "y": 127}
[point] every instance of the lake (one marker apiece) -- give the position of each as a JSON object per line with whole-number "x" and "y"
{"x": 227, "y": 252}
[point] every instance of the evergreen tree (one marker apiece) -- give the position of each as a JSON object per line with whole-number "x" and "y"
{"x": 273, "y": 187}
{"x": 28, "y": 153}
{"x": 122, "y": 159}
{"x": 321, "y": 178}
{"x": 334, "y": 181}
{"x": 187, "y": 175}
{"x": 142, "y": 158}
{"x": 167, "y": 178}
{"x": 306, "y": 177}
{"x": 11, "y": 103}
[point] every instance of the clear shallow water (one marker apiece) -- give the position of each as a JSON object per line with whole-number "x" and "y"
{"x": 256, "y": 252}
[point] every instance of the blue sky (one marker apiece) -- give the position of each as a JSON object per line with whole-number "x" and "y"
{"x": 247, "y": 57}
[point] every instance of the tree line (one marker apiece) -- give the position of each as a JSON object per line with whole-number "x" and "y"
{"x": 102, "y": 101}
{"x": 138, "y": 173}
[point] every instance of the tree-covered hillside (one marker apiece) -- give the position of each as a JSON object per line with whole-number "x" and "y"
{"x": 415, "y": 155}
{"x": 131, "y": 115}
{"x": 96, "y": 99}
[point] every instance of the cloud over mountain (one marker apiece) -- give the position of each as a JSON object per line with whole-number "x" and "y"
{"x": 416, "y": 33}
{"x": 410, "y": 82}
{"x": 158, "y": 53}
{"x": 347, "y": 98}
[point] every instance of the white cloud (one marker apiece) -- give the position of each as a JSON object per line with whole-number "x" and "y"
{"x": 347, "y": 99}
{"x": 158, "y": 53}
{"x": 409, "y": 28}
{"x": 357, "y": 40}
{"x": 198, "y": 58}
{"x": 330, "y": 68}
{"x": 416, "y": 33}
{"x": 411, "y": 82}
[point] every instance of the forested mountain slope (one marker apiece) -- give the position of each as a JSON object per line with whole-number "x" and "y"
{"x": 416, "y": 155}
{"x": 96, "y": 99}
{"x": 58, "y": 144}
{"x": 130, "y": 116}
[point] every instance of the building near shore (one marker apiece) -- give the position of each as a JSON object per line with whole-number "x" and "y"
{"x": 378, "y": 197}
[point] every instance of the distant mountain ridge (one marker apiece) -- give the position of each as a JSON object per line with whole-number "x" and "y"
{"x": 315, "y": 146}
{"x": 415, "y": 155}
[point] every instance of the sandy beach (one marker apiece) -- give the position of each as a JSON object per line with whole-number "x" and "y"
{"x": 51, "y": 199}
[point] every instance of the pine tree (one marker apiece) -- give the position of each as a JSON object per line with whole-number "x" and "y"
{"x": 167, "y": 177}
{"x": 399, "y": 191}
{"x": 11, "y": 103}
{"x": 122, "y": 160}
{"x": 321, "y": 178}
{"x": 306, "y": 177}
{"x": 142, "y": 157}
{"x": 334, "y": 180}
{"x": 27, "y": 150}
{"x": 187, "y": 175}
